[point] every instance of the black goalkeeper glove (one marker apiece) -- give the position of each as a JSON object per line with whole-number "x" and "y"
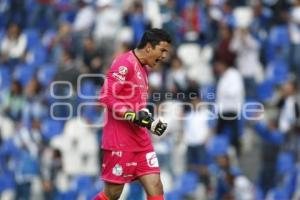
{"x": 144, "y": 118}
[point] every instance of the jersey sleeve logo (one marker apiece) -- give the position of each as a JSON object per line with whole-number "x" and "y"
{"x": 123, "y": 70}
{"x": 121, "y": 74}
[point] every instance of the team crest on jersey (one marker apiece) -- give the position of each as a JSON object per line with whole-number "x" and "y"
{"x": 123, "y": 70}
{"x": 117, "y": 170}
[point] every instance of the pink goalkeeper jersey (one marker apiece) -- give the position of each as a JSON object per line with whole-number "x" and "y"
{"x": 125, "y": 88}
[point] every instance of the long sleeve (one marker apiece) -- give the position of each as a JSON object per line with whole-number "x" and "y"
{"x": 118, "y": 78}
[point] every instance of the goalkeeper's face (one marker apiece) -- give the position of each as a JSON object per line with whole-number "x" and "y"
{"x": 157, "y": 53}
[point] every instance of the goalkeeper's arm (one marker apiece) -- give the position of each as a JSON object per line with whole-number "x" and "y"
{"x": 144, "y": 118}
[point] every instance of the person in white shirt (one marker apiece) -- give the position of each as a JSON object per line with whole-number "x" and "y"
{"x": 83, "y": 23}
{"x": 85, "y": 17}
{"x": 107, "y": 28}
{"x": 13, "y": 46}
{"x": 247, "y": 49}
{"x": 229, "y": 101}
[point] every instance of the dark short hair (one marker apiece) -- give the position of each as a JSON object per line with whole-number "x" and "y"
{"x": 154, "y": 37}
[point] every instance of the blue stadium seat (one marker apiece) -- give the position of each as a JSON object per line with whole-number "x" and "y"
{"x": 208, "y": 93}
{"x": 9, "y": 147}
{"x": 87, "y": 90}
{"x": 258, "y": 192}
{"x": 6, "y": 181}
{"x": 30, "y": 5}
{"x": 94, "y": 189}
{"x": 46, "y": 74}
{"x": 83, "y": 184}
{"x": 279, "y": 36}
{"x": 218, "y": 146}
{"x": 5, "y": 77}
{"x": 278, "y": 71}
{"x": 285, "y": 163}
{"x": 187, "y": 183}
{"x": 92, "y": 193}
{"x": 51, "y": 128}
{"x": 71, "y": 194}
{"x": 24, "y": 73}
{"x": 33, "y": 38}
{"x": 136, "y": 191}
{"x": 89, "y": 112}
{"x": 279, "y": 194}
{"x": 174, "y": 195}
{"x": 264, "y": 90}
{"x": 2, "y": 33}
{"x": 39, "y": 56}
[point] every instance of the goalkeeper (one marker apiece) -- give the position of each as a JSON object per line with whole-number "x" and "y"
{"x": 127, "y": 150}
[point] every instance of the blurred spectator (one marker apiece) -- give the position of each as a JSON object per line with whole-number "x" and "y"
{"x": 169, "y": 148}
{"x": 51, "y": 168}
{"x": 171, "y": 22}
{"x": 196, "y": 60}
{"x": 13, "y": 46}
{"x": 222, "y": 49}
{"x": 294, "y": 31}
{"x": 272, "y": 139}
{"x": 13, "y": 101}
{"x": 7, "y": 128}
{"x": 44, "y": 15}
{"x": 60, "y": 42}
{"x": 85, "y": 17}
{"x": 78, "y": 145}
{"x": 17, "y": 12}
{"x": 69, "y": 68}
{"x": 247, "y": 61}
{"x": 196, "y": 133}
{"x": 34, "y": 108}
{"x": 243, "y": 188}
{"x": 190, "y": 25}
{"x": 229, "y": 102}
{"x": 91, "y": 57}
{"x": 28, "y": 143}
{"x": 82, "y": 24}
{"x": 136, "y": 20}
{"x": 156, "y": 81}
{"x": 261, "y": 20}
{"x": 280, "y": 10}
{"x": 152, "y": 13}
{"x": 176, "y": 80}
{"x": 228, "y": 17}
{"x": 7, "y": 178}
{"x": 289, "y": 107}
{"x": 107, "y": 26}
{"x": 225, "y": 179}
